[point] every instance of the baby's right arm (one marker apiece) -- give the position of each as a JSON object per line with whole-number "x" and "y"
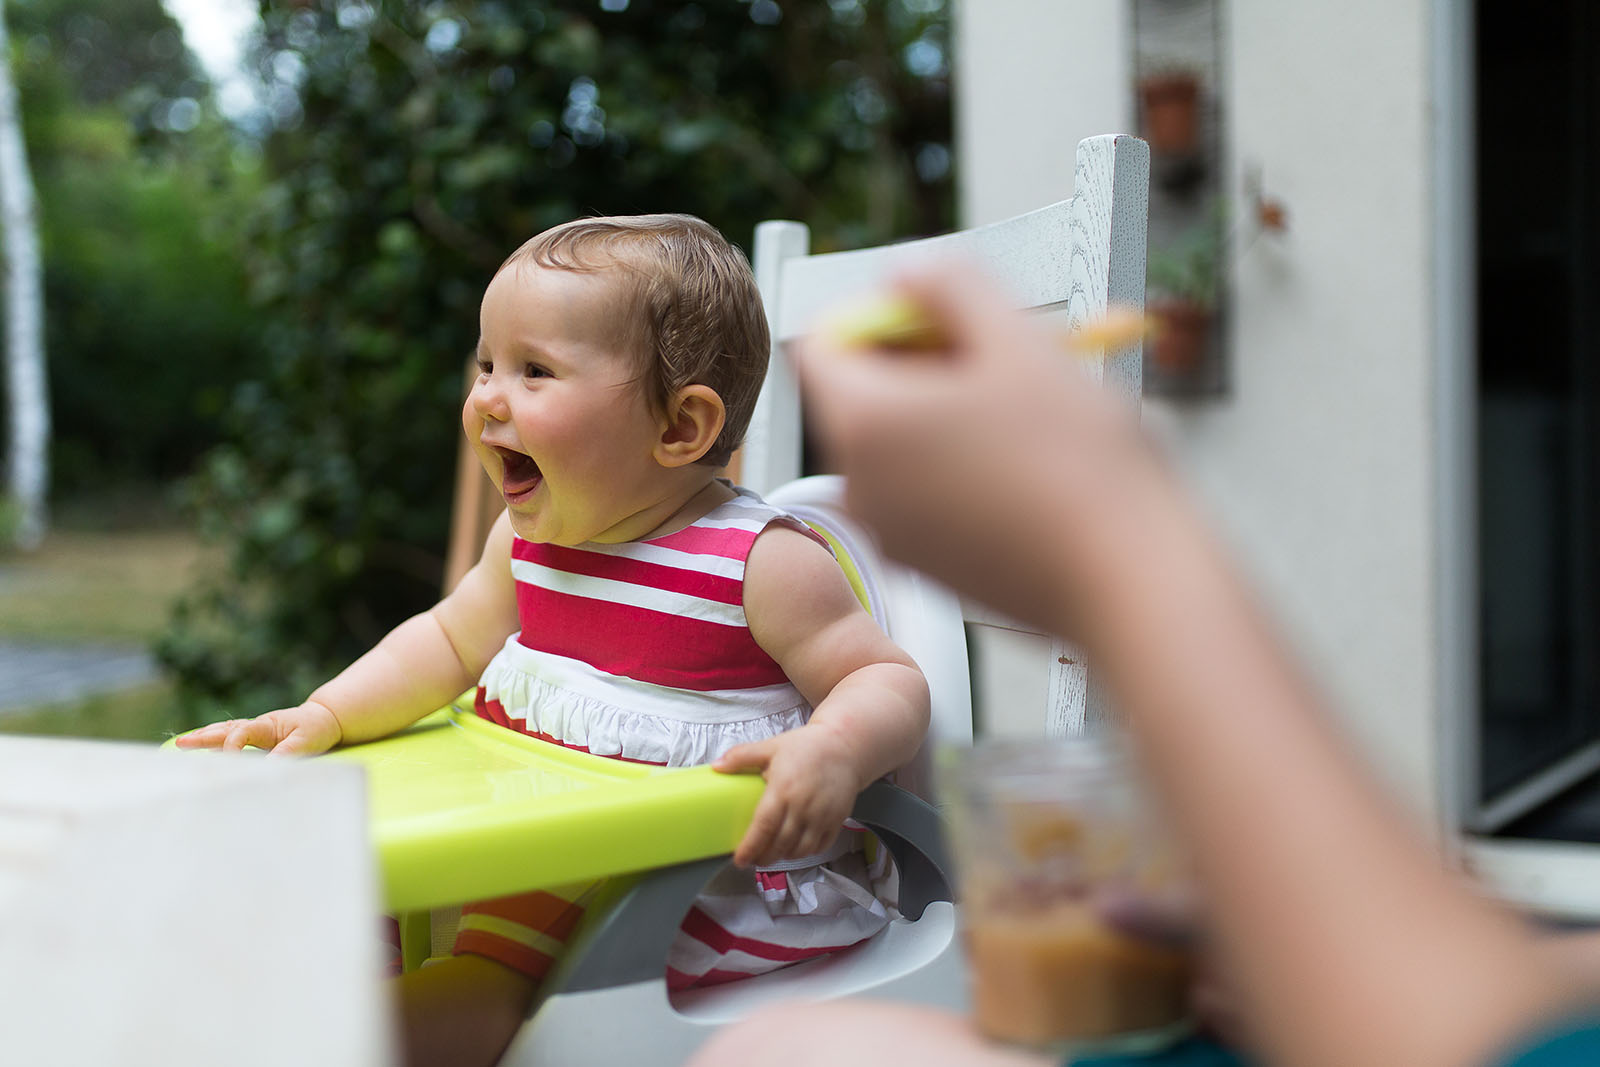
{"x": 422, "y": 664}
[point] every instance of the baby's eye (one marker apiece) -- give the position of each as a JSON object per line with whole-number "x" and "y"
{"x": 533, "y": 370}
{"x": 485, "y": 366}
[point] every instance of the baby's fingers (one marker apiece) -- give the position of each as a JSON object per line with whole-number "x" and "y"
{"x": 789, "y": 843}
{"x": 259, "y": 732}
{"x": 763, "y": 837}
{"x": 752, "y": 757}
{"x": 813, "y": 839}
{"x": 211, "y": 736}
{"x": 300, "y": 742}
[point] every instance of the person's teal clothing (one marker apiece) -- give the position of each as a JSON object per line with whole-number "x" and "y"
{"x": 1569, "y": 1044}
{"x": 1190, "y": 1052}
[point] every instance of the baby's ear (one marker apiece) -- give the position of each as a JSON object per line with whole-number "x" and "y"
{"x": 693, "y": 421}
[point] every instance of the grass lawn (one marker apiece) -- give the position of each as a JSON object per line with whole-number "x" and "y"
{"x": 96, "y": 585}
{"x": 108, "y": 585}
{"x": 145, "y": 713}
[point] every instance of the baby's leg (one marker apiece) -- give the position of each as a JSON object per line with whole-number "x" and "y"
{"x": 462, "y": 1011}
{"x": 526, "y": 932}
{"x": 466, "y": 1009}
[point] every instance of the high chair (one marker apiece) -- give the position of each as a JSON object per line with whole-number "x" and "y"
{"x": 463, "y": 810}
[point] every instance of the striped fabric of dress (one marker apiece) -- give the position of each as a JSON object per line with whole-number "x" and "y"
{"x": 641, "y": 651}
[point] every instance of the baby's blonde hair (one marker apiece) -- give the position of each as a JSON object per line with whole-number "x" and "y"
{"x": 696, "y": 316}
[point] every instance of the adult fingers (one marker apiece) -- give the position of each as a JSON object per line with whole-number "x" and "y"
{"x": 1218, "y": 1011}
{"x": 859, "y": 404}
{"x": 1169, "y": 919}
{"x": 977, "y": 319}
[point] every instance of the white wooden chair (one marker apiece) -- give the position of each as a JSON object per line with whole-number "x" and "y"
{"x": 1070, "y": 260}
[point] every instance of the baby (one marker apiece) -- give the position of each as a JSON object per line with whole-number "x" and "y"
{"x": 631, "y": 603}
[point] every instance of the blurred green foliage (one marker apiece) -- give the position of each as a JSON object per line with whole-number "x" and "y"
{"x": 414, "y": 146}
{"x": 148, "y": 326}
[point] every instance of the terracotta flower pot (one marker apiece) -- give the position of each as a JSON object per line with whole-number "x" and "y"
{"x": 1169, "y": 108}
{"x": 1182, "y": 332}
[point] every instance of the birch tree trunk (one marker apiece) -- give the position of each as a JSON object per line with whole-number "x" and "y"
{"x": 26, "y": 391}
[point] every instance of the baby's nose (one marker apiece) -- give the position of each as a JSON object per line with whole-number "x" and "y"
{"x": 488, "y": 399}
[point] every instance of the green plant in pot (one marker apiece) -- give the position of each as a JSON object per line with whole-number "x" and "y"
{"x": 1182, "y": 279}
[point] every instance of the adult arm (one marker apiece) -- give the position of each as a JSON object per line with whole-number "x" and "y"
{"x": 999, "y": 467}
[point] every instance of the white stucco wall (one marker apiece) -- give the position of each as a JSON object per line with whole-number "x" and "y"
{"x": 1024, "y": 97}
{"x": 1317, "y": 464}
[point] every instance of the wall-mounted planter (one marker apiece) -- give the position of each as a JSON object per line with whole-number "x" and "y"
{"x": 1169, "y": 112}
{"x": 1181, "y": 337}
{"x": 1178, "y": 89}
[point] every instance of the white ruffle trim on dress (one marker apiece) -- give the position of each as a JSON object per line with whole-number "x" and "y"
{"x": 585, "y": 721}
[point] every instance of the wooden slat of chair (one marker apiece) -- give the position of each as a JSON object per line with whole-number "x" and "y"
{"x": 474, "y": 509}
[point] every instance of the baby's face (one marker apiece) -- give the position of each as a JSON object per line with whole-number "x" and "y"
{"x": 557, "y": 415}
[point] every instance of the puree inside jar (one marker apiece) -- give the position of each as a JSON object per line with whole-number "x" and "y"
{"x": 1056, "y": 973}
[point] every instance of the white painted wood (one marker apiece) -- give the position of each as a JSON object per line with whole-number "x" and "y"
{"x": 1069, "y": 260}
{"x": 1057, "y": 258}
{"x": 1455, "y": 329}
{"x": 1021, "y": 106}
{"x": 1547, "y": 877}
{"x": 771, "y": 454}
{"x": 28, "y": 399}
{"x": 175, "y": 909}
{"x": 1069, "y": 710}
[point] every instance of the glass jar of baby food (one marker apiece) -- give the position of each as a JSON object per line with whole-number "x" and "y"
{"x": 1056, "y": 846}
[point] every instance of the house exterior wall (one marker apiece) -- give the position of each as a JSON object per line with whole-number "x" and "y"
{"x": 1318, "y": 463}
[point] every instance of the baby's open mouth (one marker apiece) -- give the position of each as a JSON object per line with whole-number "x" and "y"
{"x": 520, "y": 474}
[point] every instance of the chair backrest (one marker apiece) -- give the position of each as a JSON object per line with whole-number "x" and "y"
{"x": 1071, "y": 261}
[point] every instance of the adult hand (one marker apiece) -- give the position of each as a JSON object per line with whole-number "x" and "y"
{"x": 305, "y": 730}
{"x": 987, "y": 463}
{"x": 1173, "y": 920}
{"x": 857, "y": 1032}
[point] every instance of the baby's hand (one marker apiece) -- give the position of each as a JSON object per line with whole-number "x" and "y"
{"x": 300, "y": 731}
{"x": 811, "y": 787}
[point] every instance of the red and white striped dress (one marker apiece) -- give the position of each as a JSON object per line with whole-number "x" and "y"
{"x": 641, "y": 651}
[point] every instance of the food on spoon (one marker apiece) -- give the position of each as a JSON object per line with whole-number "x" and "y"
{"x": 887, "y": 320}
{"x": 1121, "y": 327}
{"x": 900, "y": 324}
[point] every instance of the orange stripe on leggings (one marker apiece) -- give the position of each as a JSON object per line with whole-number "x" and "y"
{"x": 539, "y": 910}
{"x": 529, "y": 961}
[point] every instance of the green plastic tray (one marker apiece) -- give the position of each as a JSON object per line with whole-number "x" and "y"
{"x": 462, "y": 809}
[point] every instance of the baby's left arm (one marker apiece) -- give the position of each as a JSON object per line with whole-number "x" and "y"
{"x": 870, "y": 701}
